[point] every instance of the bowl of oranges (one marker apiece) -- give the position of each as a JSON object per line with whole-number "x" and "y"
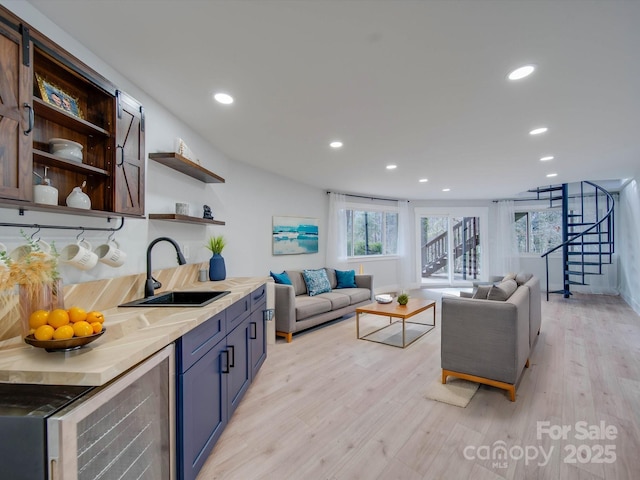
{"x": 63, "y": 330}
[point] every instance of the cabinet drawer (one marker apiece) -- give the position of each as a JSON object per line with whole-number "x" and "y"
{"x": 192, "y": 346}
{"x": 258, "y": 297}
{"x": 238, "y": 312}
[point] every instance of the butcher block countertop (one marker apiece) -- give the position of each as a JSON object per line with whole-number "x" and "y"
{"x": 132, "y": 335}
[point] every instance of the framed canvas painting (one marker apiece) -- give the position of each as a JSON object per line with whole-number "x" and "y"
{"x": 294, "y": 235}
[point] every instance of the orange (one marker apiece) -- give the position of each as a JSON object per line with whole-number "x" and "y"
{"x": 95, "y": 316}
{"x": 44, "y": 332}
{"x": 63, "y": 333}
{"x": 77, "y": 314}
{"x": 82, "y": 329}
{"x": 58, "y": 318}
{"x": 97, "y": 327}
{"x": 38, "y": 318}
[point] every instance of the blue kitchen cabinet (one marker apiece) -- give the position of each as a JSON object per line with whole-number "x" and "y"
{"x": 216, "y": 363}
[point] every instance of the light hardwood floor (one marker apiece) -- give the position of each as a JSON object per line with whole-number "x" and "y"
{"x": 328, "y": 406}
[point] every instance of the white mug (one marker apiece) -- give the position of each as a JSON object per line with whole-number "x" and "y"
{"x": 22, "y": 251}
{"x": 110, "y": 254}
{"x": 79, "y": 255}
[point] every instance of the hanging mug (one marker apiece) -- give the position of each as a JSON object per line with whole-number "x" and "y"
{"x": 110, "y": 254}
{"x": 79, "y": 255}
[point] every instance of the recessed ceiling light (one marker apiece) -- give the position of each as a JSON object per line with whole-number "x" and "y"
{"x": 391, "y": 167}
{"x": 552, "y": 175}
{"x": 538, "y": 131}
{"x": 522, "y": 72}
{"x": 446, "y": 189}
{"x": 423, "y": 180}
{"x": 336, "y": 144}
{"x": 547, "y": 158}
{"x": 223, "y": 98}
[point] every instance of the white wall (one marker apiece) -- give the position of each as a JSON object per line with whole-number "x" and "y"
{"x": 628, "y": 243}
{"x": 246, "y": 202}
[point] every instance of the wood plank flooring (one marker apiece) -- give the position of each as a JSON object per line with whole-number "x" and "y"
{"x": 329, "y": 406}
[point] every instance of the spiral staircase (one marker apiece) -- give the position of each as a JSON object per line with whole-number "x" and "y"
{"x": 587, "y": 233}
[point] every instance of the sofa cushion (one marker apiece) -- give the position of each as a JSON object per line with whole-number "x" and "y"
{"x": 346, "y": 279}
{"x": 338, "y": 300}
{"x": 523, "y": 278}
{"x": 508, "y": 276}
{"x": 356, "y": 295}
{"x": 317, "y": 281}
{"x": 331, "y": 275}
{"x": 307, "y": 306}
{"x": 482, "y": 292}
{"x": 297, "y": 280}
{"x": 502, "y": 291}
{"x": 281, "y": 278}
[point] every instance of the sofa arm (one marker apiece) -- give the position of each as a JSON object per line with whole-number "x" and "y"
{"x": 285, "y": 308}
{"x": 486, "y": 338}
{"x": 365, "y": 281}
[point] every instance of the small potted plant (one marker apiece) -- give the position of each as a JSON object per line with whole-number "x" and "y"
{"x": 217, "y": 269}
{"x": 403, "y": 299}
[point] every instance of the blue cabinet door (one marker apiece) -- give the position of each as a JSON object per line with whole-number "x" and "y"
{"x": 239, "y": 375}
{"x": 202, "y": 410}
{"x": 258, "y": 340}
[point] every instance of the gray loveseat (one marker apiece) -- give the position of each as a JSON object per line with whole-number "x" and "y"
{"x": 489, "y": 341}
{"x": 295, "y": 310}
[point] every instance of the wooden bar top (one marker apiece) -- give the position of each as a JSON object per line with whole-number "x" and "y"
{"x": 132, "y": 335}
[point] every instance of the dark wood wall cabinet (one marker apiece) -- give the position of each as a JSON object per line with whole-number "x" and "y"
{"x": 47, "y": 93}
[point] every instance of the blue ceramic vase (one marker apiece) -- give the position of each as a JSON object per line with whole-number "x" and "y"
{"x": 217, "y": 269}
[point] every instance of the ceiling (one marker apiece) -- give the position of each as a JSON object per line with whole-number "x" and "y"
{"x": 420, "y": 84}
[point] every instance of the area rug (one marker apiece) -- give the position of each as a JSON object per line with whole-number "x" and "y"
{"x": 456, "y": 391}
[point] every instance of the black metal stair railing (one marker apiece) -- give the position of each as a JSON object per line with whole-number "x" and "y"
{"x": 585, "y": 251}
{"x": 466, "y": 240}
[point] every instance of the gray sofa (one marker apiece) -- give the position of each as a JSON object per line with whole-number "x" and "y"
{"x": 295, "y": 310}
{"x": 489, "y": 341}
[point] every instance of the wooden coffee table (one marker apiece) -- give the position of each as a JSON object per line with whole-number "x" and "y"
{"x": 398, "y": 314}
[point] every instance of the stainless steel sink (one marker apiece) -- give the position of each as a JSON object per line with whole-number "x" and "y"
{"x": 178, "y": 299}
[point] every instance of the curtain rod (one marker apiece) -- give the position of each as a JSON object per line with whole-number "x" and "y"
{"x": 369, "y": 197}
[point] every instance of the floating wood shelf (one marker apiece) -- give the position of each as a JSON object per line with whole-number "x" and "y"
{"x": 186, "y": 166}
{"x": 174, "y": 217}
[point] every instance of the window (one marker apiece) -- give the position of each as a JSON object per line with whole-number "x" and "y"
{"x": 538, "y": 231}
{"x": 372, "y": 233}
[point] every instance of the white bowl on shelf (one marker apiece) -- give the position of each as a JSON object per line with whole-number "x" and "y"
{"x": 67, "y": 149}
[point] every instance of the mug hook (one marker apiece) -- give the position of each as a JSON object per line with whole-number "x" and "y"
{"x": 81, "y": 234}
{"x": 34, "y": 234}
{"x": 110, "y": 237}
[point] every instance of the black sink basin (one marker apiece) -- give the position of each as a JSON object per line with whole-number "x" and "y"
{"x": 177, "y": 299}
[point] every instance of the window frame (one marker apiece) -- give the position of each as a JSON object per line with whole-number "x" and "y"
{"x": 375, "y": 208}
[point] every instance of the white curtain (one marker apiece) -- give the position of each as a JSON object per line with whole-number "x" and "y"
{"x": 506, "y": 258}
{"x": 406, "y": 264}
{"x": 337, "y": 232}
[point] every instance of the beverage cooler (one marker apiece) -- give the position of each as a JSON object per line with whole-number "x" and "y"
{"x": 122, "y": 430}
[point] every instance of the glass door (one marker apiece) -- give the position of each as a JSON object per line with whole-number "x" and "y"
{"x": 450, "y": 249}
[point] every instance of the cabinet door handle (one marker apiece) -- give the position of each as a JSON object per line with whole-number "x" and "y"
{"x": 233, "y": 355}
{"x": 31, "y": 118}
{"x": 121, "y": 162}
{"x": 225, "y": 368}
{"x": 253, "y": 331}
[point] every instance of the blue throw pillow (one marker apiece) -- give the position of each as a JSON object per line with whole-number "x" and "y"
{"x": 281, "y": 278}
{"x": 346, "y": 279}
{"x": 317, "y": 281}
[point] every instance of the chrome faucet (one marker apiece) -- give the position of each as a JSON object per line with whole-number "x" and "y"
{"x": 151, "y": 283}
